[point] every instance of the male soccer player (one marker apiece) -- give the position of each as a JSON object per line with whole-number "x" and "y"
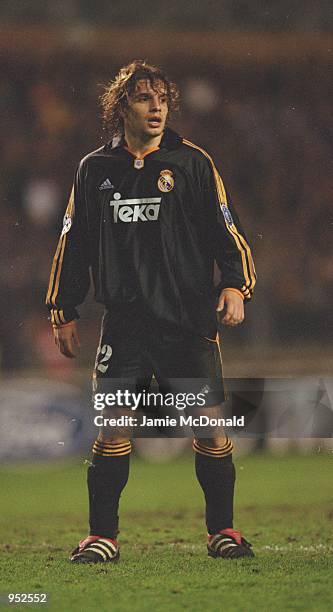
{"x": 149, "y": 214}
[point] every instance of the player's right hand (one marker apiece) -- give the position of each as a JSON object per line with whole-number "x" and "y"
{"x": 66, "y": 338}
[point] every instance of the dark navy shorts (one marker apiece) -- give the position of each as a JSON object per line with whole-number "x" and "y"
{"x": 133, "y": 351}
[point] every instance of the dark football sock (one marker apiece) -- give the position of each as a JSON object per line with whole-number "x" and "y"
{"x": 216, "y": 474}
{"x": 107, "y": 476}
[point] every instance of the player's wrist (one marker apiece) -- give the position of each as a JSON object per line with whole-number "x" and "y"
{"x": 62, "y": 325}
{"x": 234, "y": 290}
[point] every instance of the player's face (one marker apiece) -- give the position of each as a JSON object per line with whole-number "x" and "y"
{"x": 147, "y": 111}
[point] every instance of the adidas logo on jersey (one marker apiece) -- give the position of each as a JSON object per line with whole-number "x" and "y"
{"x": 106, "y": 185}
{"x": 136, "y": 209}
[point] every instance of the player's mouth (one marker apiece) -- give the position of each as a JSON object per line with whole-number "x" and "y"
{"x": 154, "y": 122}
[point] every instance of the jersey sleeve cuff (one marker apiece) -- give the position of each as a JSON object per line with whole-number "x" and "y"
{"x": 63, "y": 316}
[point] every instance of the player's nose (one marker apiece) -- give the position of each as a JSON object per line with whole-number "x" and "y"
{"x": 155, "y": 104}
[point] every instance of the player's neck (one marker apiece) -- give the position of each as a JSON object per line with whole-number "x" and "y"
{"x": 140, "y": 147}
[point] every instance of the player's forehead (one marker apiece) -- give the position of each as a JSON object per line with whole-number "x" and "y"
{"x": 150, "y": 87}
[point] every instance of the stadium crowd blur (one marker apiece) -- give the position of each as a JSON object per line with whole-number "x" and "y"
{"x": 266, "y": 126}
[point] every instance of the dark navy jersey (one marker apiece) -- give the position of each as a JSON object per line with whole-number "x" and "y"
{"x": 150, "y": 229}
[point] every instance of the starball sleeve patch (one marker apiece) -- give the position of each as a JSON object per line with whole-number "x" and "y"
{"x": 227, "y": 214}
{"x": 67, "y": 224}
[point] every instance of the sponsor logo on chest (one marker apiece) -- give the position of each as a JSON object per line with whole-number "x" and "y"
{"x": 135, "y": 210}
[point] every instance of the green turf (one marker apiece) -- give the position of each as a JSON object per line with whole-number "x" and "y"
{"x": 282, "y": 504}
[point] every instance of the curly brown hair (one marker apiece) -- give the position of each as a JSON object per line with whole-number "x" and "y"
{"x": 116, "y": 92}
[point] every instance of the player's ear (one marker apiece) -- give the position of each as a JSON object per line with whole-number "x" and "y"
{"x": 122, "y": 112}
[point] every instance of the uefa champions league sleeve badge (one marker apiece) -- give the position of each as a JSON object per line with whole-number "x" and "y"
{"x": 67, "y": 224}
{"x": 227, "y": 215}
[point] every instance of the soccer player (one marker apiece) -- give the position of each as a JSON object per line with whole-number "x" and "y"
{"x": 149, "y": 215}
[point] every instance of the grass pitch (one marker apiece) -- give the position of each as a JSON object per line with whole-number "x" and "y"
{"x": 283, "y": 505}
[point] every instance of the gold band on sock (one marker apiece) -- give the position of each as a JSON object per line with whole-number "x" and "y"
{"x": 111, "y": 449}
{"x": 210, "y": 451}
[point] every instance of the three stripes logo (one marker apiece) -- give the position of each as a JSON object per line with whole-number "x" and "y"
{"x": 106, "y": 185}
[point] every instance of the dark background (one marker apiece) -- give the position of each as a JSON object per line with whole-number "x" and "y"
{"x": 255, "y": 84}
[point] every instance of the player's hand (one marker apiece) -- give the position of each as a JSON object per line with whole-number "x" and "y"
{"x": 66, "y": 338}
{"x": 233, "y": 306}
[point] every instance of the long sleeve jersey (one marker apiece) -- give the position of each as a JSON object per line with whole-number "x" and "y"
{"x": 150, "y": 229}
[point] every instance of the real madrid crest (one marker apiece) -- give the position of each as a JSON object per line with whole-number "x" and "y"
{"x": 165, "y": 182}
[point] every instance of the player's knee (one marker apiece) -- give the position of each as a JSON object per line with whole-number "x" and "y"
{"x": 112, "y": 438}
{"x": 214, "y": 442}
{"x": 115, "y": 428}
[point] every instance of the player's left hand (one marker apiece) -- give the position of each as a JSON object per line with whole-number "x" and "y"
{"x": 66, "y": 338}
{"x": 233, "y": 305}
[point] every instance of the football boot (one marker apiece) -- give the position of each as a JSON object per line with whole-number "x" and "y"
{"x": 228, "y": 544}
{"x": 96, "y": 549}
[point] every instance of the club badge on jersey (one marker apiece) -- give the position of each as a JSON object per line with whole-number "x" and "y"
{"x": 166, "y": 182}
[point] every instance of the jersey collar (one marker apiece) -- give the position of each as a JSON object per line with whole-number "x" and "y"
{"x": 170, "y": 140}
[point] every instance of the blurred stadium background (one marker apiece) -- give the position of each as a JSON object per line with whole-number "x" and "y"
{"x": 256, "y": 94}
